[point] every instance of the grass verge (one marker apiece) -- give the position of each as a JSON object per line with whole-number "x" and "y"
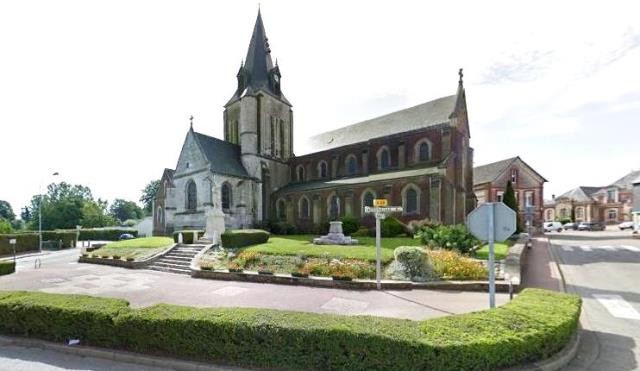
{"x": 501, "y": 249}
{"x": 137, "y": 248}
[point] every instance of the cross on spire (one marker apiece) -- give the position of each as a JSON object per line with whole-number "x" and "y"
{"x": 461, "y": 75}
{"x": 191, "y": 122}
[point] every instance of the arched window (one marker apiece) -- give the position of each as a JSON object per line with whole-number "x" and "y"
{"x": 334, "y": 207}
{"x": 367, "y": 199}
{"x": 352, "y": 165}
{"x": 411, "y": 201}
{"x": 423, "y": 151}
{"x": 192, "y": 198}
{"x": 282, "y": 210}
{"x": 322, "y": 169}
{"x": 304, "y": 208}
{"x": 385, "y": 159}
{"x": 300, "y": 171}
{"x": 226, "y": 196}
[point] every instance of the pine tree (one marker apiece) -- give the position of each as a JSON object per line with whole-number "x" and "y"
{"x": 509, "y": 199}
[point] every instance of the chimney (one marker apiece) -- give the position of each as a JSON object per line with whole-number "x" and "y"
{"x": 553, "y": 197}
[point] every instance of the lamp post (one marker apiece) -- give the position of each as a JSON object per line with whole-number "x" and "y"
{"x": 40, "y": 216}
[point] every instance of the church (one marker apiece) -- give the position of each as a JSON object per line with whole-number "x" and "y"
{"x": 419, "y": 157}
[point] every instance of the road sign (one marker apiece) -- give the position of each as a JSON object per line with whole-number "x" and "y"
{"x": 489, "y": 222}
{"x": 387, "y": 209}
{"x": 380, "y": 213}
{"x": 12, "y": 241}
{"x": 378, "y": 202}
{"x": 504, "y": 221}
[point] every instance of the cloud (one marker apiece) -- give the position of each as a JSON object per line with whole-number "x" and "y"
{"x": 522, "y": 67}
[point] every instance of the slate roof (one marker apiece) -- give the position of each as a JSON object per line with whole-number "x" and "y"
{"x": 580, "y": 194}
{"x": 418, "y": 117}
{"x": 224, "y": 157}
{"x": 628, "y": 180}
{"x": 332, "y": 183}
{"x": 489, "y": 172}
{"x": 257, "y": 65}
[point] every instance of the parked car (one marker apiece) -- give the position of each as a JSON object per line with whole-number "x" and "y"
{"x": 591, "y": 226}
{"x": 570, "y": 226}
{"x": 126, "y": 236}
{"x": 552, "y": 227}
{"x": 625, "y": 225}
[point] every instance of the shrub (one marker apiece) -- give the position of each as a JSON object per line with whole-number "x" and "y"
{"x": 350, "y": 224}
{"x": 391, "y": 227}
{"x": 283, "y": 228}
{"x": 534, "y": 326}
{"x": 187, "y": 236}
{"x": 5, "y": 226}
{"x": 247, "y": 258}
{"x": 24, "y": 242}
{"x": 451, "y": 265}
{"x": 414, "y": 262}
{"x": 237, "y": 238}
{"x": 414, "y": 226}
{"x": 565, "y": 220}
{"x": 361, "y": 232}
{"x": 105, "y": 234}
{"x": 68, "y": 237}
{"x": 450, "y": 237}
{"x": 345, "y": 268}
{"x": 7, "y": 267}
{"x": 116, "y": 257}
{"x": 61, "y": 317}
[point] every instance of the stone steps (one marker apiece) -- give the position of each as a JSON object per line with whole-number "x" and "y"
{"x": 177, "y": 260}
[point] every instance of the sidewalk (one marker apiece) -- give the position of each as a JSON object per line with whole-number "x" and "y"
{"x": 540, "y": 269}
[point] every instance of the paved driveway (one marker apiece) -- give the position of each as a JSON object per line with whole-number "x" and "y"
{"x": 61, "y": 273}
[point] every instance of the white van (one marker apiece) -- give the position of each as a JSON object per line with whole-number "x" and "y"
{"x": 552, "y": 227}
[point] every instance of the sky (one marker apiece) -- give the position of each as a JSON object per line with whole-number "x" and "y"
{"x": 102, "y": 91}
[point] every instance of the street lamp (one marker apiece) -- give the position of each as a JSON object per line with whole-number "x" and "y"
{"x": 40, "y": 215}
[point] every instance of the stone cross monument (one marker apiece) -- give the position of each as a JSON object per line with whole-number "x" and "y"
{"x": 215, "y": 217}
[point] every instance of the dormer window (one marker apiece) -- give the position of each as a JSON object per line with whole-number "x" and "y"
{"x": 514, "y": 175}
{"x": 188, "y": 165}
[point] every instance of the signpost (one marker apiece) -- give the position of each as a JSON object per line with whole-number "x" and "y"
{"x": 380, "y": 210}
{"x": 492, "y": 221}
{"x": 12, "y": 242}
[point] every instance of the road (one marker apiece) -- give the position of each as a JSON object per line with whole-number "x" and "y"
{"x": 604, "y": 269}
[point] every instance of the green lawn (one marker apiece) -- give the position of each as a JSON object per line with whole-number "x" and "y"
{"x": 501, "y": 250}
{"x": 138, "y": 248}
{"x": 301, "y": 244}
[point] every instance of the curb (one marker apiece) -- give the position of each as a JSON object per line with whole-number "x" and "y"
{"x": 116, "y": 355}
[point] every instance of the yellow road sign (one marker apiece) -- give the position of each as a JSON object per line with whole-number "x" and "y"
{"x": 380, "y": 202}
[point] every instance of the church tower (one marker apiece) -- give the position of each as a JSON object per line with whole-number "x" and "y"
{"x": 259, "y": 118}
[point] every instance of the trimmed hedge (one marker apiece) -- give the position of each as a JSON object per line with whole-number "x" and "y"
{"x": 61, "y": 317}
{"x": 68, "y": 237}
{"x": 535, "y": 325}
{"x": 234, "y": 239}
{"x": 105, "y": 234}
{"x": 7, "y": 267}
{"x": 24, "y": 242}
{"x": 187, "y": 236}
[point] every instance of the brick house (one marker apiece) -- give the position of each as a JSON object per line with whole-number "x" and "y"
{"x": 490, "y": 181}
{"x": 610, "y": 204}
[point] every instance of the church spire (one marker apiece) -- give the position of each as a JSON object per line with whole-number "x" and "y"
{"x": 258, "y": 71}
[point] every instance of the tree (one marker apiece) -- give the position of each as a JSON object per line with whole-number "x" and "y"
{"x": 509, "y": 199}
{"x": 94, "y": 214}
{"x": 123, "y": 210}
{"x": 64, "y": 206}
{"x": 148, "y": 194}
{"x": 6, "y": 212}
{"x": 5, "y": 226}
